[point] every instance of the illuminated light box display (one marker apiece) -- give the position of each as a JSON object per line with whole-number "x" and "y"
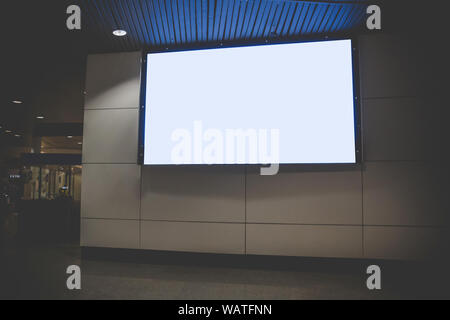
{"x": 284, "y": 103}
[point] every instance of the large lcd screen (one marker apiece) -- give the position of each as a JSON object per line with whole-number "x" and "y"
{"x": 282, "y": 103}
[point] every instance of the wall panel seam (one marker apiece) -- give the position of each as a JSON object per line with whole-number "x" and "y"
{"x": 140, "y": 207}
{"x": 307, "y": 224}
{"x": 254, "y": 223}
{"x": 111, "y": 108}
{"x": 393, "y": 97}
{"x": 245, "y": 210}
{"x": 407, "y": 226}
{"x": 423, "y": 160}
{"x": 114, "y": 219}
{"x": 193, "y": 221}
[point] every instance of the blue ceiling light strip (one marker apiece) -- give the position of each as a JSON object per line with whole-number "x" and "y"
{"x": 277, "y": 21}
{"x": 267, "y": 19}
{"x": 253, "y": 15}
{"x": 315, "y": 18}
{"x": 334, "y": 14}
{"x": 261, "y": 22}
{"x": 241, "y": 18}
{"x": 180, "y": 19}
{"x": 358, "y": 18}
{"x": 144, "y": 16}
{"x": 347, "y": 24}
{"x": 211, "y": 12}
{"x": 223, "y": 18}
{"x": 147, "y": 6}
{"x": 321, "y": 16}
{"x": 320, "y": 27}
{"x": 234, "y": 20}
{"x": 343, "y": 12}
{"x": 198, "y": 16}
{"x": 205, "y": 20}
{"x": 174, "y": 36}
{"x": 187, "y": 20}
{"x": 129, "y": 22}
{"x": 348, "y": 19}
{"x": 192, "y": 16}
{"x": 302, "y": 19}
{"x": 159, "y": 22}
{"x": 169, "y": 21}
{"x": 309, "y": 20}
{"x": 247, "y": 18}
{"x": 256, "y": 19}
{"x": 165, "y": 24}
{"x": 176, "y": 22}
{"x": 267, "y": 29}
{"x": 283, "y": 19}
{"x": 218, "y": 12}
{"x": 228, "y": 20}
{"x": 298, "y": 8}
{"x": 140, "y": 23}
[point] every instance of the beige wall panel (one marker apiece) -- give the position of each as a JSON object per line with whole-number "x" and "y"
{"x": 403, "y": 193}
{"x": 402, "y": 242}
{"x": 309, "y": 197}
{"x": 113, "y": 80}
{"x": 110, "y": 136}
{"x": 110, "y": 233}
{"x": 193, "y": 236}
{"x": 389, "y": 66}
{"x": 304, "y": 240}
{"x": 193, "y": 193}
{"x": 110, "y": 191}
{"x": 396, "y": 129}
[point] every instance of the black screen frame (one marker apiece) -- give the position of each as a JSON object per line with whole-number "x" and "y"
{"x": 356, "y": 95}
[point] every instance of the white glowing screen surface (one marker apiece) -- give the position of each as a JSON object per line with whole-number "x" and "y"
{"x": 284, "y": 103}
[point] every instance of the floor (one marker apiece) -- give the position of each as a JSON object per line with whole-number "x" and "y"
{"x": 38, "y": 271}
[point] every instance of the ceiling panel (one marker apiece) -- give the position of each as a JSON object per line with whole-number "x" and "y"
{"x": 160, "y": 24}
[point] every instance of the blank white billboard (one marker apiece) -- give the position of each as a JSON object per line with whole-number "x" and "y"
{"x": 284, "y": 103}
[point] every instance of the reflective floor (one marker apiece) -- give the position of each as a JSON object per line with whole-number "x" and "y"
{"x": 39, "y": 272}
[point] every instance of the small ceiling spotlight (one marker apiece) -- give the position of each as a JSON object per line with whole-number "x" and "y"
{"x": 119, "y": 33}
{"x": 80, "y": 142}
{"x": 17, "y": 101}
{"x": 69, "y": 137}
{"x": 40, "y": 117}
{"x": 8, "y": 131}
{"x": 17, "y": 135}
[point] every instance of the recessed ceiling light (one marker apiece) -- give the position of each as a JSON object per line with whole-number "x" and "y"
{"x": 17, "y": 135}
{"x": 119, "y": 33}
{"x": 8, "y": 131}
{"x": 40, "y": 117}
{"x": 80, "y": 142}
{"x": 69, "y": 137}
{"x": 17, "y": 101}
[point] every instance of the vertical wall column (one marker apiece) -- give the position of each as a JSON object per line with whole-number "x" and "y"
{"x": 403, "y": 212}
{"x": 110, "y": 195}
